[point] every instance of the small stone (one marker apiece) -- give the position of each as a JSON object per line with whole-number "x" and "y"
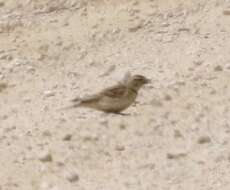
{"x": 135, "y": 3}
{"x": 122, "y": 126}
{"x": 136, "y": 27}
{"x": 44, "y": 48}
{"x": 204, "y": 140}
{"x": 27, "y": 99}
{"x": 168, "y": 38}
{"x": 17, "y": 63}
{"x": 71, "y": 176}
{"x": 45, "y": 156}
{"x": 226, "y": 12}
{"x": 90, "y": 137}
{"x": 150, "y": 166}
{"x": 60, "y": 163}
{"x": 165, "y": 24}
{"x": 60, "y": 43}
{"x": 4, "y": 117}
{"x": 198, "y": 63}
{"x": 218, "y": 68}
{"x": 30, "y": 69}
{"x": 1, "y": 5}
{"x": 67, "y": 137}
{"x": 168, "y": 97}
{"x": 49, "y": 93}
{"x": 115, "y": 31}
{"x": 6, "y": 57}
{"x": 177, "y": 134}
{"x": 183, "y": 30}
{"x": 120, "y": 148}
{"x": 104, "y": 122}
{"x": 172, "y": 156}
{"x": 46, "y": 133}
{"x": 213, "y": 92}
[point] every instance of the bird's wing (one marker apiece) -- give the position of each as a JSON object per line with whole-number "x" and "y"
{"x": 116, "y": 91}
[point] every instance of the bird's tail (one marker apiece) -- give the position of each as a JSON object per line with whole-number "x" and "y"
{"x": 69, "y": 107}
{"x": 76, "y": 103}
{"x": 78, "y": 100}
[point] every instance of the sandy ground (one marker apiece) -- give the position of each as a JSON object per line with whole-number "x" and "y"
{"x": 177, "y": 135}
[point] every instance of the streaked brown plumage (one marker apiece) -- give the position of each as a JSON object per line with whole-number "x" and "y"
{"x": 113, "y": 99}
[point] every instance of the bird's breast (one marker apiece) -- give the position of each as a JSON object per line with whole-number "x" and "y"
{"x": 117, "y": 104}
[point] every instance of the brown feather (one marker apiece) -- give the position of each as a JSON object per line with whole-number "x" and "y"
{"x": 115, "y": 92}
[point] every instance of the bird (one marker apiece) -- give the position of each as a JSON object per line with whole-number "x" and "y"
{"x": 113, "y": 99}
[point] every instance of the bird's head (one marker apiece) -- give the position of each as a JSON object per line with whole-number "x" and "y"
{"x": 137, "y": 81}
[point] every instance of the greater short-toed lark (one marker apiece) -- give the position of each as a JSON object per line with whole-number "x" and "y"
{"x": 114, "y": 99}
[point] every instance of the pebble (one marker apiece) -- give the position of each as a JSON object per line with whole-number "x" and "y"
{"x": 183, "y": 29}
{"x": 177, "y": 134}
{"x": 165, "y": 24}
{"x": 168, "y": 97}
{"x": 176, "y": 155}
{"x": 1, "y": 5}
{"x": 226, "y": 12}
{"x": 218, "y": 68}
{"x": 104, "y": 122}
{"x": 67, "y": 137}
{"x": 49, "y": 93}
{"x": 168, "y": 39}
{"x": 204, "y": 140}
{"x": 90, "y": 137}
{"x": 30, "y": 69}
{"x": 46, "y": 133}
{"x": 6, "y": 57}
{"x": 71, "y": 176}
{"x": 136, "y": 27}
{"x": 119, "y": 148}
{"x": 122, "y": 126}
{"x": 198, "y": 63}
{"x": 45, "y": 156}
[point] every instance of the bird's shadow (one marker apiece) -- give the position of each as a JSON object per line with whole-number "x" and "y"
{"x": 115, "y": 114}
{"x": 123, "y": 114}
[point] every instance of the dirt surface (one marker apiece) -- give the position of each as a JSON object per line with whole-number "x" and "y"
{"x": 175, "y": 137}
